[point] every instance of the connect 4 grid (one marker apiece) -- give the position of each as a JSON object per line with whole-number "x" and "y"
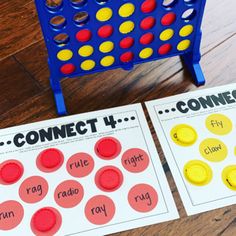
{"x": 87, "y": 36}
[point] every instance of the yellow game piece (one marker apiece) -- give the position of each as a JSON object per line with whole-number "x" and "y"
{"x": 229, "y": 177}
{"x": 183, "y": 45}
{"x": 146, "y": 53}
{"x": 126, "y": 27}
{"x": 106, "y": 47}
{"x": 86, "y": 51}
{"x": 65, "y": 55}
{"x": 197, "y": 172}
{"x": 213, "y": 150}
{"x": 184, "y": 135}
{"x": 166, "y": 34}
{"x": 219, "y": 124}
{"x": 87, "y": 65}
{"x": 186, "y": 30}
{"x": 104, "y": 14}
{"x": 107, "y": 61}
{"x": 126, "y": 10}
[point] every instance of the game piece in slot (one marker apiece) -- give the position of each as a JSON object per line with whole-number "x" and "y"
{"x": 184, "y": 135}
{"x": 126, "y": 27}
{"x": 198, "y": 172}
{"x": 108, "y": 148}
{"x": 146, "y": 53}
{"x": 229, "y": 177}
{"x": 164, "y": 49}
{"x": 126, "y": 10}
{"x": 84, "y": 35}
{"x": 86, "y": 51}
{"x": 148, "y": 6}
{"x": 105, "y": 31}
{"x": 109, "y": 178}
{"x": 127, "y": 42}
{"x": 50, "y": 160}
{"x": 186, "y": 31}
{"x": 87, "y": 65}
{"x": 104, "y": 14}
{"x": 168, "y": 19}
{"x": 107, "y": 61}
{"x": 146, "y": 38}
{"x": 10, "y": 172}
{"x": 147, "y": 23}
{"x": 184, "y": 45}
{"x": 166, "y": 34}
{"x": 46, "y": 221}
{"x": 106, "y": 47}
{"x": 127, "y": 57}
{"x": 67, "y": 69}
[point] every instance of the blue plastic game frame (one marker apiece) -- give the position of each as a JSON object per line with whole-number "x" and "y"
{"x": 191, "y": 56}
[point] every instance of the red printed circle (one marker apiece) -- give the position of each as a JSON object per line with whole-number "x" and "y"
{"x": 100, "y": 210}
{"x": 50, "y": 160}
{"x": 10, "y": 172}
{"x": 146, "y": 38}
{"x": 143, "y": 198}
{"x": 46, "y": 221}
{"x": 168, "y": 19}
{"x": 105, "y": 31}
{"x": 148, "y": 6}
{"x": 127, "y": 57}
{"x": 80, "y": 165}
{"x": 107, "y": 148}
{"x": 67, "y": 69}
{"x": 135, "y": 160}
{"x": 33, "y": 189}
{"x": 127, "y": 42}
{"x": 11, "y": 214}
{"x": 147, "y": 23}
{"x": 164, "y": 49}
{"x": 69, "y": 194}
{"x": 84, "y": 35}
{"x": 109, "y": 178}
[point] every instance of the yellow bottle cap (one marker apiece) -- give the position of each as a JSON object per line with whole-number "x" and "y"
{"x": 232, "y": 178}
{"x": 186, "y": 135}
{"x": 229, "y": 177}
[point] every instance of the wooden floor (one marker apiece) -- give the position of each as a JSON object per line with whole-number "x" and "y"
{"x": 25, "y": 95}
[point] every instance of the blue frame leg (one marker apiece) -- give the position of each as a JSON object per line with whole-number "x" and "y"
{"x": 192, "y": 61}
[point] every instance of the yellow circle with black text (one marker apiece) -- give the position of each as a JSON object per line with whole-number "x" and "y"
{"x": 65, "y": 55}
{"x": 184, "y": 135}
{"x": 107, "y": 61}
{"x": 219, "y": 124}
{"x": 87, "y": 65}
{"x": 184, "y": 45}
{"x": 213, "y": 149}
{"x": 86, "y": 51}
{"x": 126, "y": 10}
{"x": 104, "y": 14}
{"x": 126, "y": 27}
{"x": 186, "y": 30}
{"x": 106, "y": 47}
{"x": 166, "y": 34}
{"x": 229, "y": 177}
{"x": 197, "y": 172}
{"x": 146, "y": 53}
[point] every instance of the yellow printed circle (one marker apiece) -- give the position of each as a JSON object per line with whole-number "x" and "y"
{"x": 65, "y": 55}
{"x": 87, "y": 65}
{"x": 197, "y": 172}
{"x": 107, "y": 61}
{"x": 219, "y": 124}
{"x": 106, "y": 47}
{"x": 146, "y": 53}
{"x": 184, "y": 135}
{"x": 213, "y": 150}
{"x": 126, "y": 27}
{"x": 166, "y": 34}
{"x": 86, "y": 51}
{"x": 126, "y": 10}
{"x": 229, "y": 177}
{"x": 183, "y": 45}
{"x": 186, "y": 30}
{"x": 104, "y": 14}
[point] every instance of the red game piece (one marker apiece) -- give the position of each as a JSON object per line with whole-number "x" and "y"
{"x": 164, "y": 49}
{"x": 148, "y": 6}
{"x": 127, "y": 42}
{"x": 168, "y": 19}
{"x": 11, "y": 171}
{"x": 107, "y": 148}
{"x": 67, "y": 69}
{"x": 44, "y": 220}
{"x": 147, "y": 23}
{"x": 105, "y": 31}
{"x": 127, "y": 57}
{"x": 84, "y": 35}
{"x": 146, "y": 38}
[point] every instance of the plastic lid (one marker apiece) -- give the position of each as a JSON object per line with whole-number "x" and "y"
{"x": 197, "y": 174}
{"x": 186, "y": 135}
{"x": 232, "y": 177}
{"x": 109, "y": 179}
{"x": 107, "y": 147}
{"x": 44, "y": 220}
{"x": 51, "y": 158}
{"x": 11, "y": 172}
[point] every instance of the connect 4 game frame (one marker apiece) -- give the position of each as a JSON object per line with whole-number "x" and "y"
{"x": 88, "y": 36}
